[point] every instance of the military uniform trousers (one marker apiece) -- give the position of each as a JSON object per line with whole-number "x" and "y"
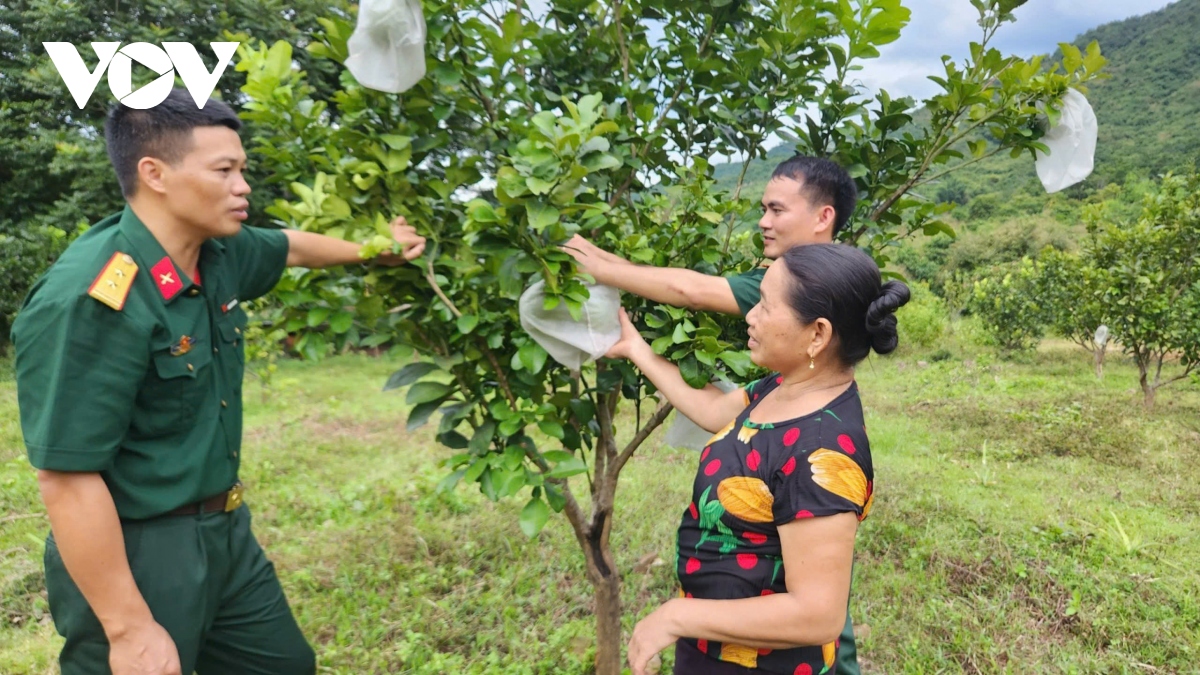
{"x": 208, "y": 583}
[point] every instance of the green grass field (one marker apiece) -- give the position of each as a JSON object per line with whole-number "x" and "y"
{"x": 1027, "y": 519}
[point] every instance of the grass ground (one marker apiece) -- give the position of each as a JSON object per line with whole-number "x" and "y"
{"x": 1028, "y": 519}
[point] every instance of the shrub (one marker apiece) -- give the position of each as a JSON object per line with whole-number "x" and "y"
{"x": 923, "y": 320}
{"x": 26, "y": 256}
{"x": 1005, "y": 300}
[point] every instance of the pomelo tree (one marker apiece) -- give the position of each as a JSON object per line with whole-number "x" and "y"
{"x": 537, "y": 121}
{"x": 1146, "y": 276}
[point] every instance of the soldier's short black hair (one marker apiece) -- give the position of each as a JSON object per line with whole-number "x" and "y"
{"x": 824, "y": 182}
{"x": 163, "y": 132}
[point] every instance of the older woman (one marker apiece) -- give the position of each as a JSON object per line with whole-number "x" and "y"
{"x": 765, "y": 546}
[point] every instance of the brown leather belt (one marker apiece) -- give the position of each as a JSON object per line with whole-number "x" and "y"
{"x": 228, "y": 500}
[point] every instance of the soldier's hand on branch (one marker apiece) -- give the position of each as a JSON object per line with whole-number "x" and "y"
{"x": 144, "y": 650}
{"x": 412, "y": 244}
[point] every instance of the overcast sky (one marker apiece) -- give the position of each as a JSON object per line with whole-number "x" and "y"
{"x": 948, "y": 26}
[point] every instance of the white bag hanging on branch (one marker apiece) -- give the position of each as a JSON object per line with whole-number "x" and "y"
{"x": 387, "y": 48}
{"x": 570, "y": 342}
{"x": 684, "y": 433}
{"x": 1072, "y": 144}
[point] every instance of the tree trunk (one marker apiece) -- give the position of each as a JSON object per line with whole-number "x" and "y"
{"x": 606, "y": 587}
{"x": 1099, "y": 360}
{"x": 592, "y": 535}
{"x": 1148, "y": 389}
{"x": 608, "y": 624}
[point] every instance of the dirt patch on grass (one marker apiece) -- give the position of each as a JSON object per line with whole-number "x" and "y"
{"x": 1098, "y": 429}
{"x": 327, "y": 429}
{"x": 22, "y": 598}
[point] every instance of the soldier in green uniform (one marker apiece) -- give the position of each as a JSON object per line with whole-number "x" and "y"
{"x": 129, "y": 360}
{"x": 807, "y": 201}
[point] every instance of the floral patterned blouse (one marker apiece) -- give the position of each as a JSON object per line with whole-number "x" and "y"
{"x": 754, "y": 477}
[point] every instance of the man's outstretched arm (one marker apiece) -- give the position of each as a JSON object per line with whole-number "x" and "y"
{"x": 317, "y": 251}
{"x": 666, "y": 285}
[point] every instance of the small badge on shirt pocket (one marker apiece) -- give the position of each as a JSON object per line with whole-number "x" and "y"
{"x": 182, "y": 382}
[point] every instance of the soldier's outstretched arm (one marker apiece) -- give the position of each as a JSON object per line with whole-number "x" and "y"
{"x": 316, "y": 251}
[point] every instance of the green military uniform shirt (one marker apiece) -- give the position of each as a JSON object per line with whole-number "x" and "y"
{"x": 136, "y": 372}
{"x": 745, "y": 288}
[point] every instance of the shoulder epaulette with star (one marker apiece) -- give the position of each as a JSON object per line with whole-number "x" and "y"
{"x": 115, "y": 281}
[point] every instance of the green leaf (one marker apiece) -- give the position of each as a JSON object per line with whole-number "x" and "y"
{"x": 556, "y": 456}
{"x": 567, "y": 468}
{"x": 532, "y": 357}
{"x": 482, "y": 212}
{"x": 396, "y": 142}
{"x": 541, "y": 215}
{"x": 551, "y": 428}
{"x": 555, "y": 497}
{"x": 420, "y": 415}
{"x": 453, "y": 440}
{"x": 423, "y": 392}
{"x": 601, "y": 161}
{"x": 739, "y": 361}
{"x": 409, "y": 374}
{"x": 680, "y": 335}
{"x": 467, "y": 322}
{"x": 689, "y": 369}
{"x": 449, "y": 482}
{"x": 534, "y": 517}
{"x": 279, "y": 60}
{"x": 341, "y": 322}
{"x": 481, "y": 440}
{"x": 317, "y": 316}
{"x": 538, "y": 186}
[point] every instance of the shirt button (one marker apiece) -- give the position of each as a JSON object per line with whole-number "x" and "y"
{"x": 224, "y": 404}
{"x": 233, "y": 454}
{"x": 190, "y": 367}
{"x": 237, "y": 330}
{"x": 194, "y": 292}
{"x": 215, "y": 350}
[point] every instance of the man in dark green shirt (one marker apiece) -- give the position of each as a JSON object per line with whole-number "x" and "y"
{"x": 129, "y": 361}
{"x": 807, "y": 201}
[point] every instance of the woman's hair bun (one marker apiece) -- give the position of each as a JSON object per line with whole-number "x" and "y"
{"x": 881, "y": 316}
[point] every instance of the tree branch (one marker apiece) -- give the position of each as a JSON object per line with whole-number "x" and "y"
{"x": 432, "y": 279}
{"x": 617, "y": 6}
{"x": 500, "y": 378}
{"x": 956, "y": 167}
{"x": 653, "y": 423}
{"x": 580, "y": 523}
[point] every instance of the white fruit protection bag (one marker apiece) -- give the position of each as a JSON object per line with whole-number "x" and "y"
{"x": 570, "y": 342}
{"x": 1072, "y": 144}
{"x": 387, "y": 48}
{"x": 684, "y": 433}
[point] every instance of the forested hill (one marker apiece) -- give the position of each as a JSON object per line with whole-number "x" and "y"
{"x": 1148, "y": 111}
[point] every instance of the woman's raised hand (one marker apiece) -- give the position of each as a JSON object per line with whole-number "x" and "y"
{"x": 630, "y": 340}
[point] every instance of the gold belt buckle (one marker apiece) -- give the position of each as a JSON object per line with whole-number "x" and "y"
{"x": 234, "y": 500}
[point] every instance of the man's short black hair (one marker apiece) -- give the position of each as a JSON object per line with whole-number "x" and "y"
{"x": 163, "y": 132}
{"x": 824, "y": 183}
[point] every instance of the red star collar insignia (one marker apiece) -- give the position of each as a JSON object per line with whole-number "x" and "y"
{"x": 166, "y": 278}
